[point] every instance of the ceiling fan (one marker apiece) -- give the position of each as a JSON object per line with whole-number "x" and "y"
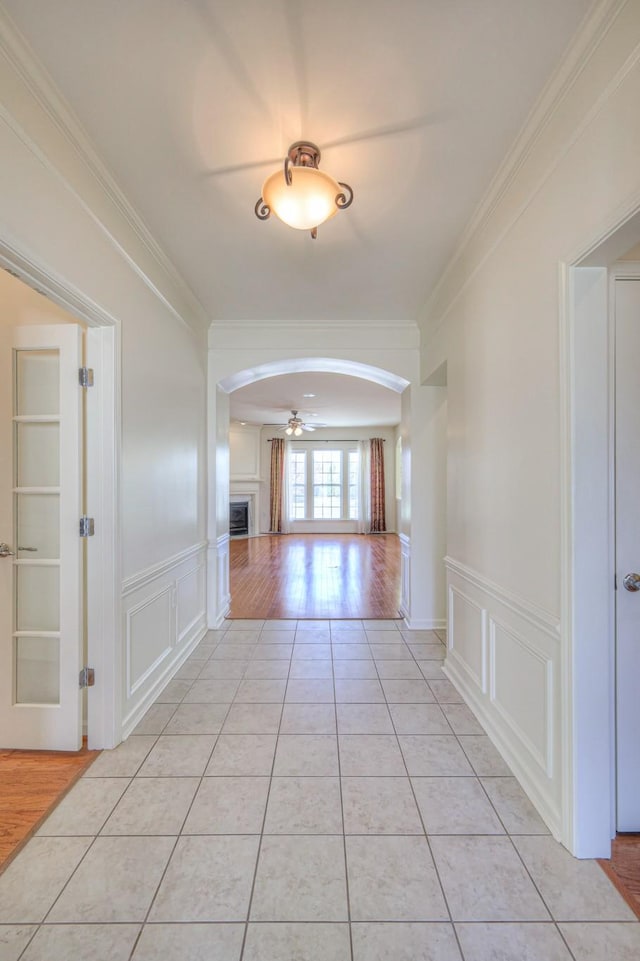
{"x": 295, "y": 425}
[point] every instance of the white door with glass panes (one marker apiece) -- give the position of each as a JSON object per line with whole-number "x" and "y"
{"x": 40, "y": 548}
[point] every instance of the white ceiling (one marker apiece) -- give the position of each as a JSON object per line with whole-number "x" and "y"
{"x": 421, "y": 100}
{"x": 340, "y": 401}
{"x": 413, "y": 102}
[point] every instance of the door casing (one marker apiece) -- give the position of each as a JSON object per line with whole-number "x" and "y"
{"x": 103, "y": 435}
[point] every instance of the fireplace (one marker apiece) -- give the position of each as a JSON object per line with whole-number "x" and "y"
{"x": 238, "y": 518}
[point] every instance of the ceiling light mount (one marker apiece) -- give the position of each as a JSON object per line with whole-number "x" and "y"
{"x": 305, "y": 196}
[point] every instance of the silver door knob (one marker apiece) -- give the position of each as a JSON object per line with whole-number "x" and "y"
{"x": 631, "y": 582}
{"x": 5, "y": 551}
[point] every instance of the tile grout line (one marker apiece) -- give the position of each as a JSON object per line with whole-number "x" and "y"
{"x": 264, "y": 816}
{"x": 179, "y": 835}
{"x": 344, "y": 834}
{"x": 426, "y": 835}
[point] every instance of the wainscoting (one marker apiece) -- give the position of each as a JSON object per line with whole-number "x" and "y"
{"x": 164, "y": 612}
{"x": 503, "y": 655}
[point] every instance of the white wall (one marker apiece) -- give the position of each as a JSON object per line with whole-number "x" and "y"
{"x": 495, "y": 319}
{"x": 62, "y": 213}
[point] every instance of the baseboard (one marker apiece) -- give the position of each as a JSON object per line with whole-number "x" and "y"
{"x": 221, "y": 618}
{"x": 134, "y": 718}
{"x": 492, "y": 726}
{"x": 425, "y": 624}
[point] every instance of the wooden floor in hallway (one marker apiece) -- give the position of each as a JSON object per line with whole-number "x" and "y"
{"x": 31, "y": 784}
{"x": 315, "y": 576}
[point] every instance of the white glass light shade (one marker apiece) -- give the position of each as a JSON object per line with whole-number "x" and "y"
{"x": 297, "y": 431}
{"x": 307, "y": 202}
{"x": 289, "y": 431}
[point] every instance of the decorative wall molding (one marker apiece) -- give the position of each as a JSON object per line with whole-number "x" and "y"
{"x": 537, "y": 616}
{"x": 405, "y": 578}
{"x": 149, "y": 574}
{"x": 508, "y": 746}
{"x": 164, "y": 613}
{"x": 503, "y": 655}
{"x": 223, "y": 594}
{"x": 477, "y": 677}
{"x": 542, "y": 754}
{"x": 135, "y": 679}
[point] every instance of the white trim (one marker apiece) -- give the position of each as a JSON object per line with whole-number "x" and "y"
{"x": 45, "y": 281}
{"x": 425, "y": 624}
{"x": 512, "y": 756}
{"x": 103, "y": 432}
{"x": 537, "y": 616}
{"x": 481, "y": 679}
{"x": 136, "y": 715}
{"x": 140, "y": 579}
{"x": 41, "y": 87}
{"x": 545, "y": 761}
{"x": 583, "y": 46}
{"x": 331, "y": 365}
{"x": 132, "y": 686}
{"x": 180, "y": 635}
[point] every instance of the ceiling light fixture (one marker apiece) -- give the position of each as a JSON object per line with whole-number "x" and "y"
{"x": 305, "y": 196}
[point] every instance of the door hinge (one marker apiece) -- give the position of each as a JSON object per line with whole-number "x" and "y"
{"x": 87, "y": 677}
{"x": 87, "y": 526}
{"x": 85, "y": 376}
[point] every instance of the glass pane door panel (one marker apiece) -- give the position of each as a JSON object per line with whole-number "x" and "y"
{"x": 38, "y": 455}
{"x": 37, "y": 382}
{"x": 38, "y": 598}
{"x": 38, "y": 526}
{"x": 37, "y": 670}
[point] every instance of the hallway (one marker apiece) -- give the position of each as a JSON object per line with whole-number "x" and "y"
{"x": 306, "y": 791}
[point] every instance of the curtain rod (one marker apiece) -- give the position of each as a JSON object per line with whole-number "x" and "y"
{"x": 322, "y": 440}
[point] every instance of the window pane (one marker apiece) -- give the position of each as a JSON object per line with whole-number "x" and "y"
{"x": 297, "y": 484}
{"x": 354, "y": 484}
{"x": 327, "y": 484}
{"x": 38, "y": 455}
{"x": 37, "y": 667}
{"x": 37, "y": 382}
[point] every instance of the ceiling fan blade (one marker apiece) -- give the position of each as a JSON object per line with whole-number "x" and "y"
{"x": 238, "y": 168}
{"x": 307, "y": 427}
{"x": 389, "y": 130}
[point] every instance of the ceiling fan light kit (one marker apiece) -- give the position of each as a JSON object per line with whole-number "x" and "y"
{"x": 295, "y": 425}
{"x": 302, "y": 196}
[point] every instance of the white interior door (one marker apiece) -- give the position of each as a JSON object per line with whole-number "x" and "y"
{"x": 41, "y": 553}
{"x": 627, "y": 403}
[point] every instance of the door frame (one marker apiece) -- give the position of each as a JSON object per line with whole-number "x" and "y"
{"x": 587, "y": 623}
{"x": 103, "y": 446}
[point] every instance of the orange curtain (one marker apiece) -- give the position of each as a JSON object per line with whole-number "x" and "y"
{"x": 378, "y": 522}
{"x": 277, "y": 485}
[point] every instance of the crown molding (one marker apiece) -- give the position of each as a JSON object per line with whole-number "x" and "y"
{"x": 317, "y": 324}
{"x": 589, "y": 36}
{"x": 42, "y": 88}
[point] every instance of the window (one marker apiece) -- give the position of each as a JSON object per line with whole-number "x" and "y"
{"x": 297, "y": 484}
{"x": 327, "y": 486}
{"x": 324, "y": 483}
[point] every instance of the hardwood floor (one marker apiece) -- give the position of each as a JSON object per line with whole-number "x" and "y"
{"x": 31, "y": 784}
{"x": 315, "y": 575}
{"x": 624, "y": 868}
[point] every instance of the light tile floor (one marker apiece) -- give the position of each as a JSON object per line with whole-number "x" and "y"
{"x": 311, "y": 792}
